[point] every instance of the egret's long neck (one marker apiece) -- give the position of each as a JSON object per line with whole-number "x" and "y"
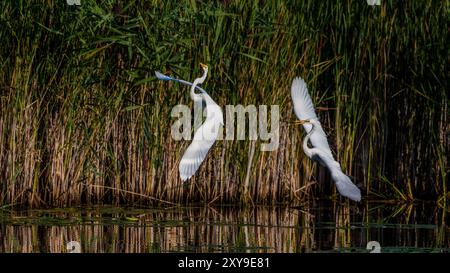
{"x": 306, "y": 149}
{"x": 195, "y": 96}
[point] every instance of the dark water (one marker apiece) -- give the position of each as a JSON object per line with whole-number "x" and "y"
{"x": 318, "y": 227}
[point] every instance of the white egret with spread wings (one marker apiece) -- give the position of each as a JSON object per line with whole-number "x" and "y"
{"x": 320, "y": 151}
{"x": 206, "y": 134}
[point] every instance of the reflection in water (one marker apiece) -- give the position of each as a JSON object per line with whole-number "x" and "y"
{"x": 312, "y": 228}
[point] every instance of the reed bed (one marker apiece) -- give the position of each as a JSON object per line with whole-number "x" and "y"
{"x": 84, "y": 121}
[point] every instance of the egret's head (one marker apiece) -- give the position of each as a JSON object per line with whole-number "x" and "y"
{"x": 205, "y": 72}
{"x": 204, "y": 67}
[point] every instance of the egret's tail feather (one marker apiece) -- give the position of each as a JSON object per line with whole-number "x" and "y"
{"x": 345, "y": 186}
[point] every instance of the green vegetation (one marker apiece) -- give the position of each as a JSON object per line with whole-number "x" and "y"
{"x": 83, "y": 119}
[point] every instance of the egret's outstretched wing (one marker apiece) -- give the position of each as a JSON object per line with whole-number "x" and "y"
{"x": 163, "y": 77}
{"x": 204, "y": 139}
{"x": 303, "y": 105}
{"x": 343, "y": 183}
{"x": 304, "y": 109}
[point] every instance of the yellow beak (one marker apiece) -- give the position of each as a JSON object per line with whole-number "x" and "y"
{"x": 302, "y": 121}
{"x": 204, "y": 66}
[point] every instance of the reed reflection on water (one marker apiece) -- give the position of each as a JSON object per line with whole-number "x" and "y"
{"x": 311, "y": 228}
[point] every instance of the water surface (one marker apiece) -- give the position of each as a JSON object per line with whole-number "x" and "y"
{"x": 316, "y": 227}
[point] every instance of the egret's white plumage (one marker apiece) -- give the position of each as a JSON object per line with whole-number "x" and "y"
{"x": 321, "y": 152}
{"x": 206, "y": 134}
{"x": 304, "y": 110}
{"x": 204, "y": 138}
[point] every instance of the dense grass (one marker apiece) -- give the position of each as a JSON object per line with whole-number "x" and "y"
{"x": 83, "y": 120}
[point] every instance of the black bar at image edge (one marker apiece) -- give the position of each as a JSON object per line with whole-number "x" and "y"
{"x": 223, "y": 262}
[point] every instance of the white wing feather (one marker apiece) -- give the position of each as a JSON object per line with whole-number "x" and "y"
{"x": 304, "y": 109}
{"x": 343, "y": 183}
{"x": 303, "y": 106}
{"x": 204, "y": 139}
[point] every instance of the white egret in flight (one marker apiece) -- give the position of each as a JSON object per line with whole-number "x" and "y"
{"x": 320, "y": 151}
{"x": 206, "y": 134}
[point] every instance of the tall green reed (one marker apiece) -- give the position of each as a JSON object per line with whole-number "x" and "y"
{"x": 83, "y": 120}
